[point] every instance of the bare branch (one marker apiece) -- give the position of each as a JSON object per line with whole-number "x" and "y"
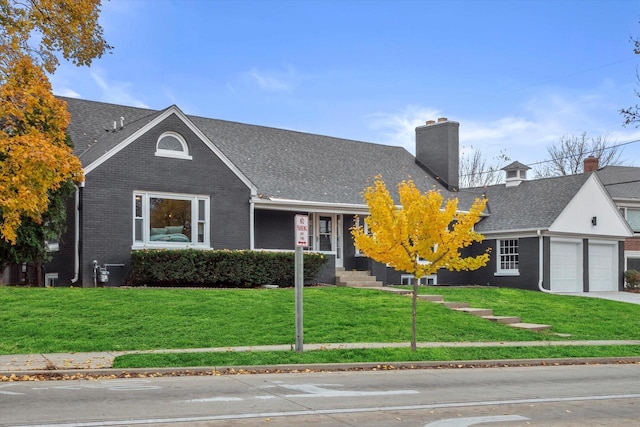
{"x": 566, "y": 157}
{"x": 476, "y": 171}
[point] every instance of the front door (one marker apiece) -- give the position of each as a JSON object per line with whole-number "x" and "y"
{"x": 326, "y": 230}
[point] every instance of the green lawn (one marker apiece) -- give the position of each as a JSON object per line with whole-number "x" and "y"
{"x": 38, "y": 320}
{"x": 583, "y": 318}
{"x": 382, "y": 355}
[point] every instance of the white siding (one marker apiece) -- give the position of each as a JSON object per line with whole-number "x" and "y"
{"x": 591, "y": 201}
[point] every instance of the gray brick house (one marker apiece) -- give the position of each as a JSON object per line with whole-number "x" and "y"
{"x": 162, "y": 179}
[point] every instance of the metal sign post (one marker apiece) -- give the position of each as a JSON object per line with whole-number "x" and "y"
{"x": 302, "y": 240}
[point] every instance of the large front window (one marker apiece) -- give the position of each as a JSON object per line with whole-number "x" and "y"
{"x": 508, "y": 257}
{"x": 163, "y": 220}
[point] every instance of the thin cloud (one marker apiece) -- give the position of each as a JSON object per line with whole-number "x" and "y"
{"x": 60, "y": 82}
{"x": 523, "y": 135}
{"x": 473, "y": 132}
{"x": 116, "y": 92}
{"x": 399, "y": 128}
{"x": 68, "y": 92}
{"x": 273, "y": 81}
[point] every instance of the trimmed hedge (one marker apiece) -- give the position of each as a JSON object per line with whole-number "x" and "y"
{"x": 219, "y": 268}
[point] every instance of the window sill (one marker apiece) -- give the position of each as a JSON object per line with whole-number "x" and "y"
{"x": 141, "y": 246}
{"x": 172, "y": 155}
{"x": 506, "y": 273}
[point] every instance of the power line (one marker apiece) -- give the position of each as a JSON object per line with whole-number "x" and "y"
{"x": 607, "y": 148}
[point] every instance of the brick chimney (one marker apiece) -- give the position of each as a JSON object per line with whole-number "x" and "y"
{"x": 591, "y": 164}
{"x": 437, "y": 150}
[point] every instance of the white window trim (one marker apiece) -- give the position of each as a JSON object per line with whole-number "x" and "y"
{"x": 625, "y": 213}
{"x": 424, "y": 280}
{"x": 50, "y": 279}
{"x": 506, "y": 272}
{"x": 365, "y": 227}
{"x": 184, "y": 154}
{"x": 146, "y": 243}
{"x": 630, "y": 255}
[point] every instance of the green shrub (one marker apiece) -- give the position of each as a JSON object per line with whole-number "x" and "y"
{"x": 632, "y": 279}
{"x": 219, "y": 268}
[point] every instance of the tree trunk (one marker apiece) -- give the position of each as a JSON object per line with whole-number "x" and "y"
{"x": 39, "y": 274}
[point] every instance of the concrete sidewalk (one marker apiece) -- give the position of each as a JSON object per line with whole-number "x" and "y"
{"x": 22, "y": 363}
{"x": 630, "y": 297}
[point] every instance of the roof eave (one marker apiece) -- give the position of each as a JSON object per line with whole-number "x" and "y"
{"x": 308, "y": 205}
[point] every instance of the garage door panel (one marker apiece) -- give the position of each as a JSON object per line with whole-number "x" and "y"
{"x": 566, "y": 266}
{"x": 603, "y": 267}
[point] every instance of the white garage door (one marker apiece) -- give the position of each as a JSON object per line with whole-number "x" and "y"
{"x": 603, "y": 266}
{"x": 566, "y": 266}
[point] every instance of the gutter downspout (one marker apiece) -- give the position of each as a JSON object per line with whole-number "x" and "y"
{"x": 252, "y": 209}
{"x": 541, "y": 262}
{"x": 77, "y": 232}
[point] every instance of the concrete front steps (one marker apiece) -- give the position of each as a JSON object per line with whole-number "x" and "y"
{"x": 362, "y": 279}
{"x": 356, "y": 279}
{"x": 513, "y": 321}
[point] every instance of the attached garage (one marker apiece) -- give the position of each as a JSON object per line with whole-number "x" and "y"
{"x": 603, "y": 266}
{"x": 567, "y": 268}
{"x": 566, "y": 265}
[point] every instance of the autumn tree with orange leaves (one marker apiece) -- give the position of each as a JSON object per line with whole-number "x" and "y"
{"x": 421, "y": 237}
{"x": 35, "y": 159}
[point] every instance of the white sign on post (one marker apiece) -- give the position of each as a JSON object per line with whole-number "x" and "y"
{"x": 302, "y": 230}
{"x": 302, "y": 240}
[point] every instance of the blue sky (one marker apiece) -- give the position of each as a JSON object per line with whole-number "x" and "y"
{"x": 517, "y": 75}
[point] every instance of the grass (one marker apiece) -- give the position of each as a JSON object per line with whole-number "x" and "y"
{"x": 38, "y": 320}
{"x": 583, "y": 318}
{"x": 383, "y": 355}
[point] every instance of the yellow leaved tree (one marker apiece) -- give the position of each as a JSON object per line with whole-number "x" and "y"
{"x": 424, "y": 235}
{"x": 35, "y": 158}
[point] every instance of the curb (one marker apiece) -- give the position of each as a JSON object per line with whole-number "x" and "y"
{"x": 112, "y": 373}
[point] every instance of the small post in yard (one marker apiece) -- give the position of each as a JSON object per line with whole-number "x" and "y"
{"x": 302, "y": 240}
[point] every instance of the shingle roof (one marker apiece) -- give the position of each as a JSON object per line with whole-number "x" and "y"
{"x": 622, "y": 182}
{"x": 533, "y": 204}
{"x": 93, "y": 134}
{"x": 515, "y": 166}
{"x": 281, "y": 163}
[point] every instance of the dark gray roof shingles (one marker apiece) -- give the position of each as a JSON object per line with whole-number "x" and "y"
{"x": 91, "y": 128}
{"x": 622, "y": 182}
{"x": 531, "y": 205}
{"x": 281, "y": 163}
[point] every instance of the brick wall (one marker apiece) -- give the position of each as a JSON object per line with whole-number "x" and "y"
{"x": 632, "y": 244}
{"x": 108, "y": 197}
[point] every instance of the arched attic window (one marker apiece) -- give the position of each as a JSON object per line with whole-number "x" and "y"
{"x": 172, "y": 144}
